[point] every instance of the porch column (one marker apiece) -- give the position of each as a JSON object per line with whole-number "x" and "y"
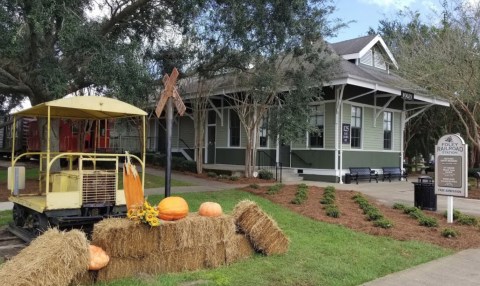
{"x": 338, "y": 119}
{"x": 402, "y": 135}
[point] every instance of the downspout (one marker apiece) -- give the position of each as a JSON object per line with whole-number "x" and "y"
{"x": 402, "y": 135}
{"x": 338, "y": 145}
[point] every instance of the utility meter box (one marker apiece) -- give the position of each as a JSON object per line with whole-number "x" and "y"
{"x": 17, "y": 175}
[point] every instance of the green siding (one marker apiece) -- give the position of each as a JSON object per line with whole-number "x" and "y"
{"x": 174, "y": 134}
{"x": 329, "y": 134}
{"x": 397, "y": 135}
{"x": 370, "y": 159}
{"x": 317, "y": 159}
{"x": 230, "y": 156}
{"x": 300, "y": 143}
{"x": 187, "y": 133}
{"x": 372, "y": 135}
{"x": 266, "y": 157}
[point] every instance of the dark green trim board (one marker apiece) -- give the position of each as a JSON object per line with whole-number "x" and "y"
{"x": 370, "y": 159}
{"x": 316, "y": 159}
{"x": 230, "y": 156}
{"x": 319, "y": 178}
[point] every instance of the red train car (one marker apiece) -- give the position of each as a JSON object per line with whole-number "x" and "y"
{"x": 96, "y": 135}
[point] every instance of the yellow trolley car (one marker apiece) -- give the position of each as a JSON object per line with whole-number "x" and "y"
{"x": 88, "y": 189}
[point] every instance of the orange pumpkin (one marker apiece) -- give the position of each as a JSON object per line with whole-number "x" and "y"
{"x": 172, "y": 208}
{"x": 98, "y": 258}
{"x": 210, "y": 209}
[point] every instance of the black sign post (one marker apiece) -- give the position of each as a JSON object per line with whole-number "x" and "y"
{"x": 345, "y": 133}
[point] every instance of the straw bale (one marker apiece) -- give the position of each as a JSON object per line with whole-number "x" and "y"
{"x": 164, "y": 262}
{"x": 123, "y": 238}
{"x": 263, "y": 231}
{"x": 86, "y": 277}
{"x": 53, "y": 258}
{"x": 238, "y": 248}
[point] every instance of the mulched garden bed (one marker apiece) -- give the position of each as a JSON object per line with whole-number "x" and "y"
{"x": 405, "y": 228}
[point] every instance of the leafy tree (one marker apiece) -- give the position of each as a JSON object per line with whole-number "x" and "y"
{"x": 445, "y": 59}
{"x": 274, "y": 53}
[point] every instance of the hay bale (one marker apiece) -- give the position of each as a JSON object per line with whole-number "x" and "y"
{"x": 238, "y": 248}
{"x": 86, "y": 277}
{"x": 164, "y": 262}
{"x": 123, "y": 238}
{"x": 53, "y": 258}
{"x": 263, "y": 231}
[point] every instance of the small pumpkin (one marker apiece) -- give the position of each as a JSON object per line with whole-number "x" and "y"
{"x": 172, "y": 208}
{"x": 98, "y": 258}
{"x": 210, "y": 209}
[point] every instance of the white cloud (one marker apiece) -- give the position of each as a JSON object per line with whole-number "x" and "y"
{"x": 387, "y": 4}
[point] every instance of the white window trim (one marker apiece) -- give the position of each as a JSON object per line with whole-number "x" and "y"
{"x": 362, "y": 131}
{"x": 268, "y": 139}
{"x": 391, "y": 137}
{"x": 307, "y": 139}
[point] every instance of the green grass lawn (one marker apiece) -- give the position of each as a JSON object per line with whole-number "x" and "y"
{"x": 5, "y": 217}
{"x": 151, "y": 181}
{"x": 319, "y": 254}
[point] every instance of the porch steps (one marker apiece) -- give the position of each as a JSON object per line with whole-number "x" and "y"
{"x": 290, "y": 175}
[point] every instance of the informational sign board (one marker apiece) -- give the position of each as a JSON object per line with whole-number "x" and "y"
{"x": 345, "y": 133}
{"x": 408, "y": 96}
{"x": 451, "y": 166}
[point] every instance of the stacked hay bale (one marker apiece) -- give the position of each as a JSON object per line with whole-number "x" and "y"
{"x": 53, "y": 258}
{"x": 191, "y": 243}
{"x": 262, "y": 230}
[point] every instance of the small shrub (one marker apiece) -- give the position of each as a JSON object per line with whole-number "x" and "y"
{"x": 327, "y": 201}
{"x": 212, "y": 174}
{"x": 456, "y": 214}
{"x": 373, "y": 214}
{"x": 222, "y": 176}
{"x": 399, "y": 206}
{"x": 265, "y": 175}
{"x": 274, "y": 189}
{"x": 234, "y": 178}
{"x": 428, "y": 221}
{"x": 254, "y": 186}
{"x": 383, "y": 223}
{"x": 449, "y": 233}
{"x": 467, "y": 220}
{"x": 332, "y": 211}
{"x": 301, "y": 195}
{"x": 416, "y": 214}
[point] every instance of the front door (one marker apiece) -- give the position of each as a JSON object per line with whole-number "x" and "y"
{"x": 285, "y": 155}
{"x": 211, "y": 127}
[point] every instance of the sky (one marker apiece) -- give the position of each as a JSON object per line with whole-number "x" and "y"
{"x": 368, "y": 13}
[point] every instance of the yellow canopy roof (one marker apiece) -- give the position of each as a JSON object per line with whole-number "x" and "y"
{"x": 84, "y": 107}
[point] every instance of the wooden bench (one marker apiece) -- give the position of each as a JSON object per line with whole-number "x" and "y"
{"x": 363, "y": 173}
{"x": 393, "y": 172}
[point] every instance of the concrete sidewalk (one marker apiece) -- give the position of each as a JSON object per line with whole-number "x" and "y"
{"x": 461, "y": 268}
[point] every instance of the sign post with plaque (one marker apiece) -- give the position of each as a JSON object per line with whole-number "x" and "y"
{"x": 345, "y": 133}
{"x": 451, "y": 169}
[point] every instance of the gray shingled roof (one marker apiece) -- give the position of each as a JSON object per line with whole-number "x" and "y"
{"x": 352, "y": 46}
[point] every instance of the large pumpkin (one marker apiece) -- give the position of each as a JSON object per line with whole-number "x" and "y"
{"x": 98, "y": 258}
{"x": 210, "y": 209}
{"x": 172, "y": 208}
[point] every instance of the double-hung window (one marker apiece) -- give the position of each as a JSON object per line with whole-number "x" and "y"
{"x": 317, "y": 118}
{"x": 234, "y": 129}
{"x": 356, "y": 140}
{"x": 387, "y": 130}
{"x": 263, "y": 131}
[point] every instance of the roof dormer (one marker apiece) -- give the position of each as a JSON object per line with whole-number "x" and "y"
{"x": 369, "y": 50}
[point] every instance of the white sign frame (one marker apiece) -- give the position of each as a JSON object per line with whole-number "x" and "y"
{"x": 451, "y": 159}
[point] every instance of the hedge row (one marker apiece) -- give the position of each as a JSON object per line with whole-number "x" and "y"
{"x": 371, "y": 212}
{"x": 328, "y": 200}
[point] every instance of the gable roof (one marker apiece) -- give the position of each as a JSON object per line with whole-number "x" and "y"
{"x": 358, "y": 47}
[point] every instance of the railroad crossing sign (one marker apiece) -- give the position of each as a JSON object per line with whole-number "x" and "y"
{"x": 170, "y": 91}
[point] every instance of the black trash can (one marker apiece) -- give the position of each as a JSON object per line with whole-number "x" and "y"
{"x": 424, "y": 194}
{"x": 348, "y": 178}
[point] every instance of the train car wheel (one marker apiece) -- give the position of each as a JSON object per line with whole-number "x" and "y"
{"x": 19, "y": 215}
{"x": 39, "y": 223}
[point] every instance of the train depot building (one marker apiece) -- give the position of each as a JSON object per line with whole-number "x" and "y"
{"x": 361, "y": 118}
